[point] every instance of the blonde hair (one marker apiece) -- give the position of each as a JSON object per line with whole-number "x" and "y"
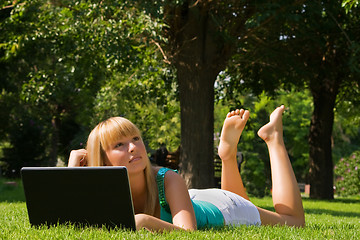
{"x": 100, "y": 140}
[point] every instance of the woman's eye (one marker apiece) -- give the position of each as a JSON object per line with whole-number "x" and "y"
{"x": 118, "y": 145}
{"x": 136, "y": 138}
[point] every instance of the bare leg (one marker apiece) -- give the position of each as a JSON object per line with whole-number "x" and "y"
{"x": 234, "y": 124}
{"x": 285, "y": 191}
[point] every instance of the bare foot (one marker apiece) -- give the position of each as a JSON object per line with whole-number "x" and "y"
{"x": 274, "y": 128}
{"x": 234, "y": 124}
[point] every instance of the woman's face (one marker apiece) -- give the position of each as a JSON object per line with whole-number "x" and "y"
{"x": 129, "y": 152}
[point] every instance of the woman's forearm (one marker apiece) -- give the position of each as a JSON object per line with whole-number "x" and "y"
{"x": 144, "y": 221}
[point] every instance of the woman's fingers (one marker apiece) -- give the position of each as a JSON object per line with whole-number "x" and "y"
{"x": 77, "y": 158}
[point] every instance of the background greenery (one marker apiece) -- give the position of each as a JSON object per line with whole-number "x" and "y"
{"x": 66, "y": 65}
{"x": 347, "y": 174}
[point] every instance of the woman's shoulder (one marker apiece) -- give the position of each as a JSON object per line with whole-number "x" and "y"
{"x": 162, "y": 170}
{"x": 156, "y": 169}
{"x": 167, "y": 177}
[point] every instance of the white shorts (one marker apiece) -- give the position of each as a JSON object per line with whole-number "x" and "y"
{"x": 235, "y": 209}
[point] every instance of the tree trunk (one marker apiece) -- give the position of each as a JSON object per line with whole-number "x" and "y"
{"x": 320, "y": 155}
{"x": 198, "y": 54}
{"x": 197, "y": 127}
{"x": 202, "y": 37}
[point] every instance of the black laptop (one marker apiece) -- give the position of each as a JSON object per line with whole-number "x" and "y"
{"x": 96, "y": 196}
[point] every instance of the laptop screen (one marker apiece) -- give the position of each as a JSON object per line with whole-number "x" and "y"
{"x": 79, "y": 195}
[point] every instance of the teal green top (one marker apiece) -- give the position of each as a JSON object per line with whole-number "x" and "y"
{"x": 207, "y": 215}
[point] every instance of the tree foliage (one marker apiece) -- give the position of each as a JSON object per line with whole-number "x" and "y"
{"x": 202, "y": 36}
{"x": 304, "y": 47}
{"x": 57, "y": 60}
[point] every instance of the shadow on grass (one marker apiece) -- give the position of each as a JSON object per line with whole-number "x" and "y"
{"x": 11, "y": 191}
{"x": 336, "y": 200}
{"x": 330, "y": 211}
{"x": 320, "y": 211}
{"x": 334, "y": 213}
{"x": 346, "y": 200}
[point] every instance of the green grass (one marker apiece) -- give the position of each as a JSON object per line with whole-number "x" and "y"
{"x": 337, "y": 219}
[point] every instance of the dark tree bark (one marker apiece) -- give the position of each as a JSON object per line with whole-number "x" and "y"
{"x": 199, "y": 48}
{"x": 197, "y": 107}
{"x": 197, "y": 66}
{"x": 320, "y": 156}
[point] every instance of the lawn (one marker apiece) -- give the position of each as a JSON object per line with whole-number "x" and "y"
{"x": 337, "y": 219}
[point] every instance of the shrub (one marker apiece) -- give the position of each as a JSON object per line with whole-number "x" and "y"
{"x": 347, "y": 173}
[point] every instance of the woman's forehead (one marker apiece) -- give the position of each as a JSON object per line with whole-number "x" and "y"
{"x": 118, "y": 136}
{"x": 115, "y": 129}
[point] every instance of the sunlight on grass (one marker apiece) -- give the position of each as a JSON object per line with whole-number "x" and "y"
{"x": 337, "y": 219}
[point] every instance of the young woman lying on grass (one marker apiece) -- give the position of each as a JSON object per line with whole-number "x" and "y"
{"x": 160, "y": 196}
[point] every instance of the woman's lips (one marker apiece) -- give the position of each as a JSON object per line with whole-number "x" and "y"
{"x": 134, "y": 159}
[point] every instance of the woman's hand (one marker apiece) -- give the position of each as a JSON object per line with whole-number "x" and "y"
{"x": 150, "y": 223}
{"x": 141, "y": 221}
{"x": 78, "y": 158}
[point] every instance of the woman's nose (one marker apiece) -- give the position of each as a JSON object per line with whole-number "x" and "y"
{"x": 131, "y": 147}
